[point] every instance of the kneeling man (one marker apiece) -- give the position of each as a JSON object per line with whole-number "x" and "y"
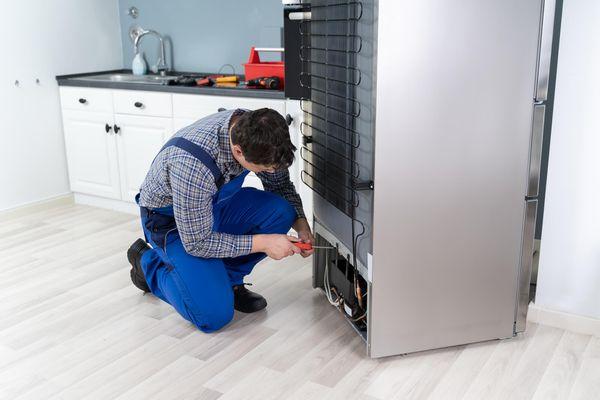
{"x": 206, "y": 232}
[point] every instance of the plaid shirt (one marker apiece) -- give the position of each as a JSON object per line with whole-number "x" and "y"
{"x": 177, "y": 178}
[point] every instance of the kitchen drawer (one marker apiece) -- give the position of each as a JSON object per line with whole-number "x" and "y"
{"x": 198, "y": 106}
{"x": 137, "y": 102}
{"x": 86, "y": 99}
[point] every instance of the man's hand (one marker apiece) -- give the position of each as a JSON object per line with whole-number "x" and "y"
{"x": 304, "y": 234}
{"x": 276, "y": 246}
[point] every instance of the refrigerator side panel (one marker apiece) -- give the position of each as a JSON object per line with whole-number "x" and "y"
{"x": 526, "y": 264}
{"x": 545, "y": 51}
{"x": 453, "y": 127}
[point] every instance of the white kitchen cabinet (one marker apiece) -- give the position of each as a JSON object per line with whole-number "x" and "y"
{"x": 92, "y": 153}
{"x": 179, "y": 123}
{"x": 110, "y": 167}
{"x": 139, "y": 138}
{"x": 189, "y": 108}
{"x": 194, "y": 107}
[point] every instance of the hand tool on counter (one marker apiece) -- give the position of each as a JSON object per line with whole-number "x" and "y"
{"x": 226, "y": 79}
{"x": 216, "y": 79}
{"x": 183, "y": 80}
{"x": 308, "y": 246}
{"x": 268, "y": 82}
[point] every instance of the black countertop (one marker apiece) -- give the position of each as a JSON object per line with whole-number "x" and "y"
{"x": 239, "y": 91}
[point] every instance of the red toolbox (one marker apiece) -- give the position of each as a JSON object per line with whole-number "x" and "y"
{"x": 255, "y": 68}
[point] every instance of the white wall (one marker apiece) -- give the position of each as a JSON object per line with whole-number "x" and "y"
{"x": 42, "y": 39}
{"x": 569, "y": 272}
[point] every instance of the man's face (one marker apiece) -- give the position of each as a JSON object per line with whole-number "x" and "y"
{"x": 256, "y": 168}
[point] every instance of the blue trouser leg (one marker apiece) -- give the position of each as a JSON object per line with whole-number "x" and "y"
{"x": 199, "y": 288}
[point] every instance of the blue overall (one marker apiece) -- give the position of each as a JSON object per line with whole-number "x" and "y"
{"x": 200, "y": 289}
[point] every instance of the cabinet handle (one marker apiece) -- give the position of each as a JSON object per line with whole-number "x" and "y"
{"x": 138, "y": 104}
{"x": 288, "y": 119}
{"x": 116, "y": 128}
{"x": 221, "y": 109}
{"x": 82, "y": 100}
{"x": 107, "y": 128}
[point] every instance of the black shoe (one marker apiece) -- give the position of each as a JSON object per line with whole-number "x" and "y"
{"x": 246, "y": 301}
{"x": 134, "y": 255}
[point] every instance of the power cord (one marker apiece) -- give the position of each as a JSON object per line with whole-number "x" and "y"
{"x": 328, "y": 291}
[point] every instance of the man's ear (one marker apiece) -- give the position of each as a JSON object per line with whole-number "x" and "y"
{"x": 237, "y": 150}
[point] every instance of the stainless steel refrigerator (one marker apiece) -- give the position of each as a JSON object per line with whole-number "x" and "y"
{"x": 423, "y": 136}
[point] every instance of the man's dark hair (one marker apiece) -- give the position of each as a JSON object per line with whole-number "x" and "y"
{"x": 264, "y": 138}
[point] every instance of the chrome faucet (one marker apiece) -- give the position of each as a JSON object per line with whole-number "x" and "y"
{"x": 161, "y": 63}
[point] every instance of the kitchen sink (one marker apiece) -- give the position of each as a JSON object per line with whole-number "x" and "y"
{"x": 129, "y": 78}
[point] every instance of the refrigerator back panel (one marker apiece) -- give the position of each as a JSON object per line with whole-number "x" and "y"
{"x": 338, "y": 52}
{"x": 455, "y": 85}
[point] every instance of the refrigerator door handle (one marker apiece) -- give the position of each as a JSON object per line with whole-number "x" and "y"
{"x": 545, "y": 50}
{"x": 535, "y": 155}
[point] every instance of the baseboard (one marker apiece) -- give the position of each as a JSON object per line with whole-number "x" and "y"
{"x": 38, "y": 205}
{"x": 571, "y": 322}
{"x": 109, "y": 204}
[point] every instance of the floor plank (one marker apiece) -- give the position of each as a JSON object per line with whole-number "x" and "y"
{"x": 562, "y": 370}
{"x": 587, "y": 383}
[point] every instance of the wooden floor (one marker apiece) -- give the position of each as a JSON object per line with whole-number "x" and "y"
{"x": 73, "y": 327}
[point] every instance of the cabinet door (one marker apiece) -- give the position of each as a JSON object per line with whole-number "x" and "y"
{"x": 139, "y": 139}
{"x": 91, "y": 153}
{"x": 179, "y": 123}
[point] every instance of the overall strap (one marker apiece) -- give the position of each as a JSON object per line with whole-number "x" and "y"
{"x": 200, "y": 154}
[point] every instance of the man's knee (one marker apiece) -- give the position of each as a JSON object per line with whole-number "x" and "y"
{"x": 284, "y": 212}
{"x": 215, "y": 319}
{"x": 215, "y": 313}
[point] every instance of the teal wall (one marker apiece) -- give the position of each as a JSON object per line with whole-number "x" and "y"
{"x": 204, "y": 34}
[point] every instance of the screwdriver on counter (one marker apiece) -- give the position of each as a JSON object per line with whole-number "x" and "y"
{"x": 308, "y": 246}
